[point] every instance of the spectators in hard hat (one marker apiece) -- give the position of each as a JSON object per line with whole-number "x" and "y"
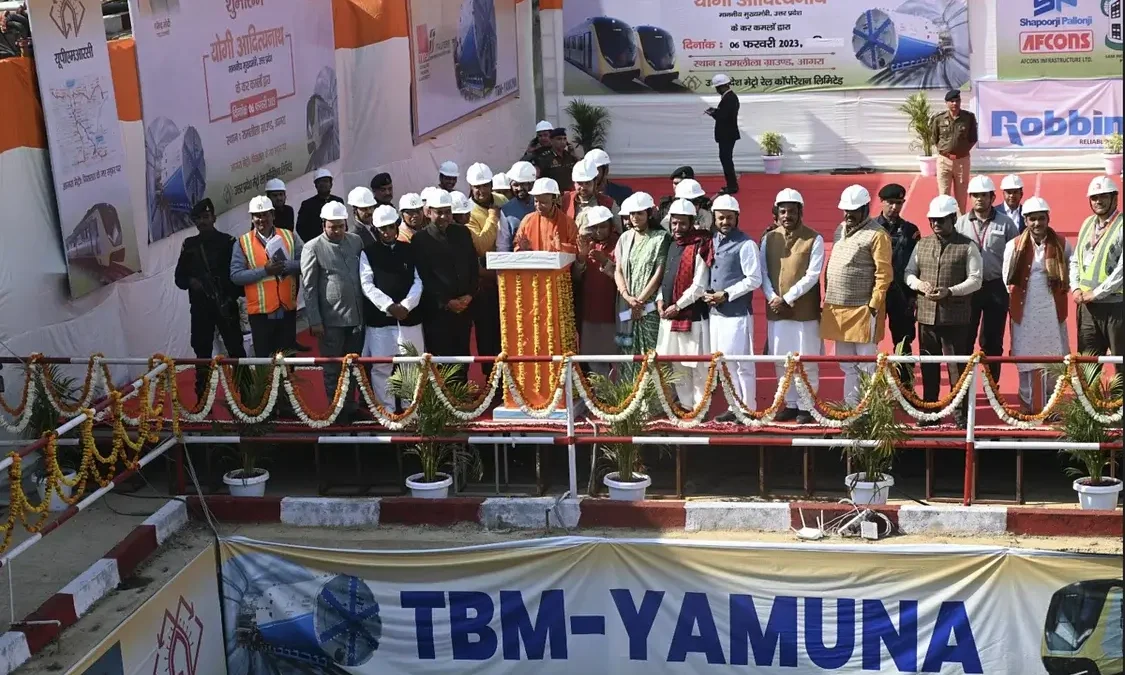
{"x": 1012, "y": 186}
{"x": 555, "y": 160}
{"x": 640, "y": 254}
{"x": 283, "y": 213}
{"x": 596, "y": 294}
{"x": 586, "y": 195}
{"x": 549, "y": 228}
{"x": 522, "y": 176}
{"x": 308, "y": 216}
{"x": 1096, "y": 273}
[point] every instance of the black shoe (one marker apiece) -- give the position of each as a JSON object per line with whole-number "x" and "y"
{"x": 728, "y": 416}
{"x": 929, "y": 423}
{"x": 804, "y": 417}
{"x": 961, "y": 422}
{"x": 787, "y": 415}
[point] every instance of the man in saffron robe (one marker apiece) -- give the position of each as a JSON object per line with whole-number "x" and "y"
{"x": 548, "y": 228}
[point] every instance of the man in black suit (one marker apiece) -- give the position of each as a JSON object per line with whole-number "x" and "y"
{"x": 309, "y": 223}
{"x": 726, "y": 129}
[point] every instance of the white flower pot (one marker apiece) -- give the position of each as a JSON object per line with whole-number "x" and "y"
{"x": 627, "y": 492}
{"x": 436, "y": 490}
{"x": 56, "y": 503}
{"x": 1097, "y": 497}
{"x": 927, "y": 166}
{"x": 864, "y": 492}
{"x": 254, "y": 486}
{"x": 773, "y": 164}
{"x": 1112, "y": 164}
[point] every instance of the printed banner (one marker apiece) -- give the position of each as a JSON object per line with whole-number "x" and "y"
{"x": 1076, "y": 39}
{"x": 465, "y": 57}
{"x": 84, "y": 142}
{"x": 585, "y": 605}
{"x": 676, "y": 46}
{"x": 178, "y": 630}
{"x": 234, "y": 92}
{"x": 1058, "y": 114}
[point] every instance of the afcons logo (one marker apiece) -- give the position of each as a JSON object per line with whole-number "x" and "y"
{"x": 1009, "y": 123}
{"x": 1041, "y": 7}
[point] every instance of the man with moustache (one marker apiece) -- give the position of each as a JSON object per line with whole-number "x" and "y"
{"x": 410, "y": 209}
{"x": 522, "y": 176}
{"x": 363, "y": 206}
{"x": 904, "y": 235}
{"x": 1096, "y": 273}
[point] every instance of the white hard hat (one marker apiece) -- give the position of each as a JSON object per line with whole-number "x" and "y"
{"x": 854, "y": 197}
{"x": 333, "y": 211}
{"x": 682, "y": 207}
{"x": 583, "y": 172}
{"x": 725, "y": 203}
{"x": 689, "y": 188}
{"x": 1101, "y": 185}
{"x": 1011, "y": 182}
{"x": 980, "y": 185}
{"x": 439, "y": 199}
{"x": 523, "y": 172}
{"x": 461, "y": 203}
{"x": 545, "y": 186}
{"x": 942, "y": 206}
{"x": 385, "y": 216}
{"x": 361, "y": 197}
{"x": 428, "y": 194}
{"x": 500, "y": 181}
{"x": 321, "y": 173}
{"x": 478, "y": 174}
{"x": 597, "y": 214}
{"x": 719, "y": 80}
{"x": 275, "y": 185}
{"x": 597, "y": 157}
{"x": 1036, "y": 205}
{"x": 449, "y": 169}
{"x": 410, "y": 200}
{"x": 260, "y": 204}
{"x": 544, "y": 125}
{"x": 789, "y": 196}
{"x": 636, "y": 202}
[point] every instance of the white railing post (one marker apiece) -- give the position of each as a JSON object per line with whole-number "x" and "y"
{"x": 571, "y": 449}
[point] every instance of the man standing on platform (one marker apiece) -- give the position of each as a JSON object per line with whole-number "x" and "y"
{"x": 1096, "y": 274}
{"x": 945, "y": 270}
{"x": 691, "y": 190}
{"x": 735, "y": 274}
{"x": 597, "y": 291}
{"x": 855, "y": 288}
{"x": 555, "y": 161}
{"x": 678, "y": 176}
{"x": 363, "y": 205}
{"x": 792, "y": 260}
{"x": 548, "y": 228}
{"x": 448, "y": 174}
{"x": 522, "y": 177}
{"x": 266, "y": 262}
{"x": 542, "y": 136}
{"x": 484, "y": 226}
{"x": 448, "y": 265}
{"x": 333, "y": 296}
{"x": 726, "y": 129}
{"x": 383, "y": 189}
{"x": 585, "y": 195}
{"x": 283, "y": 213}
{"x": 991, "y": 230}
{"x": 953, "y": 134}
{"x": 203, "y": 270}
{"x": 617, "y": 192}
{"x": 413, "y": 219}
{"x": 392, "y": 288}
{"x": 904, "y": 235}
{"x": 308, "y": 216}
{"x": 1012, "y": 186}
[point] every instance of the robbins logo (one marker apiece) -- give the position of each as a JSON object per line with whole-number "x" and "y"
{"x": 1009, "y": 123}
{"x": 68, "y": 15}
{"x": 1044, "y": 6}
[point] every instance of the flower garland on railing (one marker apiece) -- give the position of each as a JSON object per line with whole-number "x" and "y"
{"x": 697, "y": 415}
{"x": 949, "y": 403}
{"x": 1084, "y": 397}
{"x": 748, "y": 415}
{"x": 831, "y": 415}
{"x": 1014, "y": 417}
{"x": 628, "y": 407}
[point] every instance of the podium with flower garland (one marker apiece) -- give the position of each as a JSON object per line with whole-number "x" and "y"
{"x": 536, "y": 319}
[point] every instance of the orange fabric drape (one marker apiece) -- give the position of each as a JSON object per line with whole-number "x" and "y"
{"x": 23, "y": 117}
{"x": 126, "y": 80}
{"x": 538, "y": 320}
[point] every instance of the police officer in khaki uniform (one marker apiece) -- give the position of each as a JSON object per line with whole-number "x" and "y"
{"x": 954, "y": 133}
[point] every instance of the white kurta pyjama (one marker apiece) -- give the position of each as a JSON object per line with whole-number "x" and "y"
{"x": 388, "y": 340}
{"x": 691, "y": 377}
{"x": 734, "y": 335}
{"x": 1040, "y": 333}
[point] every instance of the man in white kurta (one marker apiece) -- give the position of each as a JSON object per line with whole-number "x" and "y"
{"x": 735, "y": 274}
{"x": 684, "y": 328}
{"x": 1036, "y": 265}
{"x": 390, "y": 281}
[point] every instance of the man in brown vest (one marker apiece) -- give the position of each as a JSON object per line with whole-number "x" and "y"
{"x": 793, "y": 257}
{"x": 945, "y": 270}
{"x": 855, "y": 287}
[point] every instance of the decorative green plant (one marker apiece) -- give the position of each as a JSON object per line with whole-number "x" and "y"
{"x": 625, "y": 458}
{"x": 435, "y": 420}
{"x": 44, "y": 416}
{"x": 1077, "y": 425}
{"x": 1112, "y": 144}
{"x": 771, "y": 143}
{"x": 919, "y": 114}
{"x": 877, "y": 423}
{"x": 590, "y": 124}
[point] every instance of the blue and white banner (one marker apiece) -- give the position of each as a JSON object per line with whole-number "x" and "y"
{"x": 1048, "y": 114}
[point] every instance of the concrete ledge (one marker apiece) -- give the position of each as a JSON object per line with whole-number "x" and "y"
{"x": 329, "y": 512}
{"x": 14, "y": 651}
{"x": 1065, "y": 522}
{"x": 92, "y": 585}
{"x": 813, "y": 511}
{"x": 168, "y": 520}
{"x": 952, "y": 519}
{"x": 238, "y": 509}
{"x": 707, "y": 516}
{"x": 529, "y": 513}
{"x": 437, "y": 512}
{"x": 656, "y": 515}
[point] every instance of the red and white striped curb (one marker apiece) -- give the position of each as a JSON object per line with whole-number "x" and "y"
{"x": 64, "y": 608}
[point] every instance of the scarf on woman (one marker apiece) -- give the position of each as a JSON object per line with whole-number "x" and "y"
{"x": 1054, "y": 264}
{"x": 694, "y": 243}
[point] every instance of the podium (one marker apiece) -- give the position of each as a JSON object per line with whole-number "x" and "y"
{"x": 536, "y": 319}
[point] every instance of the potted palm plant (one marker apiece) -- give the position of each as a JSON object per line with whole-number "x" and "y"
{"x": 919, "y": 114}
{"x": 44, "y": 418}
{"x": 1095, "y": 489}
{"x": 1112, "y": 148}
{"x": 873, "y": 482}
{"x": 250, "y": 479}
{"x": 590, "y": 124}
{"x": 440, "y": 461}
{"x": 770, "y": 142}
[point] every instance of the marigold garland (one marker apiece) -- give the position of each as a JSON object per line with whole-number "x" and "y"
{"x": 342, "y": 387}
{"x": 591, "y": 397}
{"x": 521, "y": 347}
{"x": 779, "y": 398}
{"x": 502, "y": 289}
{"x": 536, "y": 317}
{"x": 908, "y": 392}
{"x": 703, "y": 403}
{"x": 1017, "y": 414}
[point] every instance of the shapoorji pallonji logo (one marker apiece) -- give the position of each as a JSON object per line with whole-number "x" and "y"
{"x": 1084, "y": 129}
{"x": 1045, "y": 6}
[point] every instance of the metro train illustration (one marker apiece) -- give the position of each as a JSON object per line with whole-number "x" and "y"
{"x": 1083, "y": 629}
{"x": 605, "y": 49}
{"x": 657, "y": 55}
{"x": 321, "y": 122}
{"x": 474, "y": 50}
{"x": 97, "y": 239}
{"x": 176, "y": 176}
{"x": 897, "y": 41}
